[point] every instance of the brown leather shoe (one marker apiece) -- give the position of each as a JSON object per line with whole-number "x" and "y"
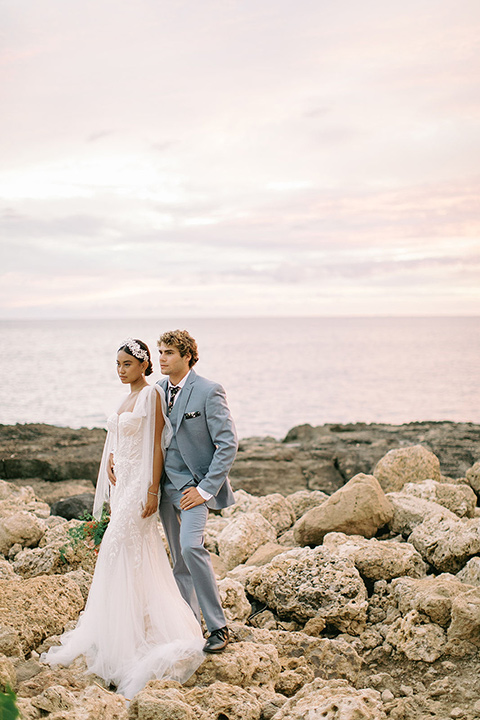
{"x": 217, "y": 640}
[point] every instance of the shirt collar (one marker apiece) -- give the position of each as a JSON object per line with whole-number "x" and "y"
{"x": 181, "y": 383}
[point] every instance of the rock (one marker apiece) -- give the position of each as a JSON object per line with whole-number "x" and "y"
{"x": 6, "y": 569}
{"x": 328, "y": 658}
{"x": 83, "y": 579}
{"x": 295, "y": 674}
{"x": 465, "y": 623}
{"x": 242, "y": 664}
{"x": 234, "y": 600}
{"x": 432, "y": 596}
{"x": 322, "y": 457}
{"x": 14, "y": 499}
{"x": 262, "y": 554}
{"x": 214, "y": 527}
{"x": 74, "y": 507}
{"x": 416, "y": 638}
{"x": 56, "y": 554}
{"x": 332, "y": 700}
{"x": 50, "y": 452}
{"x": 242, "y": 536}
{"x": 218, "y": 566}
{"x": 358, "y": 508}
{"x": 23, "y": 528}
{"x": 158, "y": 701}
{"x": 304, "y": 500}
{"x": 458, "y": 498}
{"x": 470, "y": 574}
{"x": 8, "y": 676}
{"x": 302, "y": 583}
{"x": 38, "y": 607}
{"x": 54, "y": 698}
{"x": 447, "y": 544}
{"x": 277, "y": 510}
{"x": 406, "y": 465}
{"x": 28, "y": 669}
{"x": 375, "y": 559}
{"x": 244, "y": 502}
{"x": 10, "y": 641}
{"x": 473, "y": 477}
{"x": 221, "y": 700}
{"x": 51, "y": 492}
{"x": 410, "y": 511}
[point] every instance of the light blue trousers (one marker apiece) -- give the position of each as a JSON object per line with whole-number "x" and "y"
{"x": 192, "y": 566}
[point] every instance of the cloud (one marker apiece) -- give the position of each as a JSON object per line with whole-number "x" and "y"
{"x": 318, "y": 153}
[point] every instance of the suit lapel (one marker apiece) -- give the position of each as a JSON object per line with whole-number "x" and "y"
{"x": 183, "y": 397}
{"x": 164, "y": 385}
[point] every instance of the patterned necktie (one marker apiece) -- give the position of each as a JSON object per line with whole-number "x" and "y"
{"x": 173, "y": 392}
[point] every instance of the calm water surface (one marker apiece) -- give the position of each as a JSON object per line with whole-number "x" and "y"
{"x": 277, "y": 372}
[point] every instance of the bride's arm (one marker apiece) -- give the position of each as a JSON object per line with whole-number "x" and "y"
{"x": 151, "y": 504}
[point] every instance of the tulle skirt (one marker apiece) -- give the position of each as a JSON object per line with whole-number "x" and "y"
{"x": 136, "y": 625}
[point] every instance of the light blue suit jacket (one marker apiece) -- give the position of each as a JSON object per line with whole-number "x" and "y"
{"x": 206, "y": 436}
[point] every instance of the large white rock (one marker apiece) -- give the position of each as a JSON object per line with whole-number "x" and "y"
{"x": 432, "y": 596}
{"x": 21, "y": 527}
{"x": 447, "y": 544}
{"x": 416, "y": 638}
{"x": 473, "y": 477}
{"x": 39, "y": 607}
{"x": 332, "y": 700}
{"x": 470, "y": 574}
{"x": 465, "y": 623}
{"x": 14, "y": 499}
{"x": 410, "y": 511}
{"x": 377, "y": 559}
{"x": 241, "y": 663}
{"x": 242, "y": 536}
{"x": 459, "y": 498}
{"x": 234, "y": 600}
{"x": 303, "y": 583}
{"x": 304, "y": 500}
{"x": 358, "y": 508}
{"x": 404, "y": 465}
{"x": 277, "y": 510}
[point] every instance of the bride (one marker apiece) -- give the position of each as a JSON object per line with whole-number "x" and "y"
{"x": 135, "y": 625}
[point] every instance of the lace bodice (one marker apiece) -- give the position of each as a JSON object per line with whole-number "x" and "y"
{"x": 127, "y": 429}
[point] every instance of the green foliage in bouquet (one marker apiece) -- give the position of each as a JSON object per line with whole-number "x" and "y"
{"x": 8, "y": 706}
{"x": 90, "y": 532}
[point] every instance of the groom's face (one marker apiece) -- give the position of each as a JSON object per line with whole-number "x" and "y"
{"x": 172, "y": 363}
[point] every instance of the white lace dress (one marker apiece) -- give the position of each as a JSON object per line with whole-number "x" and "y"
{"x": 135, "y": 625}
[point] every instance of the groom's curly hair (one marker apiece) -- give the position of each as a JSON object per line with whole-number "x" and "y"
{"x": 183, "y": 341}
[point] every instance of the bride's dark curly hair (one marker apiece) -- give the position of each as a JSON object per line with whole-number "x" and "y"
{"x": 127, "y": 350}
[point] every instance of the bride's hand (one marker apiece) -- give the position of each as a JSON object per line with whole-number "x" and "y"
{"x": 151, "y": 506}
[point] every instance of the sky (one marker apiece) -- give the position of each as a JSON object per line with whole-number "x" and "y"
{"x": 235, "y": 158}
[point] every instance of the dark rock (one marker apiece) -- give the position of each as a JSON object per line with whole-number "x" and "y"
{"x": 74, "y": 507}
{"x": 49, "y": 452}
{"x": 309, "y": 458}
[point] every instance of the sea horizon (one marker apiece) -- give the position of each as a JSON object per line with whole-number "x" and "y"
{"x": 278, "y": 372}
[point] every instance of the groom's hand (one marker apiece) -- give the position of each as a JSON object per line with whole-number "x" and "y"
{"x": 190, "y": 499}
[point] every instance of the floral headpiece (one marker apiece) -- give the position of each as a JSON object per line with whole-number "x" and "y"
{"x": 135, "y": 349}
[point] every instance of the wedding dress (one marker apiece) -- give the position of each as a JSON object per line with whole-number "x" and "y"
{"x": 136, "y": 625}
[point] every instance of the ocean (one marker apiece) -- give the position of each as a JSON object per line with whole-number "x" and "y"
{"x": 278, "y": 372}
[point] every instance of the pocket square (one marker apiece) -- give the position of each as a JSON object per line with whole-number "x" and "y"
{"x": 189, "y": 416}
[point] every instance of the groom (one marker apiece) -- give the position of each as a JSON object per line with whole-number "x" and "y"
{"x": 196, "y": 466}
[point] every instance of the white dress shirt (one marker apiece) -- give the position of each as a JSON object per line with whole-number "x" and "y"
{"x": 205, "y": 495}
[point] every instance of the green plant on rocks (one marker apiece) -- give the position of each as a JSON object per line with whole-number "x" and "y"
{"x": 8, "y": 705}
{"x": 90, "y": 532}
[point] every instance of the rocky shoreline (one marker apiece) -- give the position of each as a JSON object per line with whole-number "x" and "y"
{"x": 349, "y": 569}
